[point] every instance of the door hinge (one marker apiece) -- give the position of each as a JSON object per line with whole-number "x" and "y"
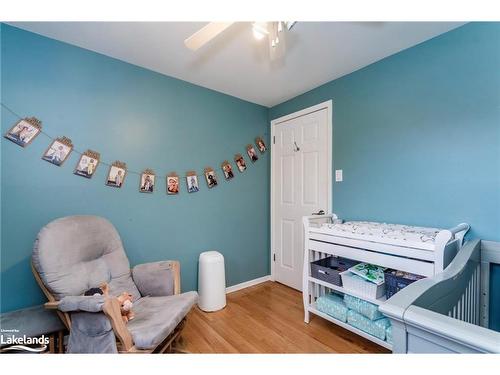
{"x": 274, "y": 139}
{"x": 274, "y": 257}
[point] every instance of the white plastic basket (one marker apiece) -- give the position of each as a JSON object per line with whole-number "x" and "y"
{"x": 362, "y": 287}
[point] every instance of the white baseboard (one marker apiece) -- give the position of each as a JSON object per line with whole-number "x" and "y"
{"x": 247, "y": 284}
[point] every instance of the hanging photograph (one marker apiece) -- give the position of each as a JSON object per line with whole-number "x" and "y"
{"x": 24, "y": 131}
{"x": 172, "y": 184}
{"x": 58, "y": 151}
{"x": 227, "y": 169}
{"x": 192, "y": 182}
{"x": 240, "y": 162}
{"x": 147, "y": 184}
{"x": 252, "y": 154}
{"x": 260, "y": 144}
{"x": 210, "y": 177}
{"x": 87, "y": 164}
{"x": 116, "y": 174}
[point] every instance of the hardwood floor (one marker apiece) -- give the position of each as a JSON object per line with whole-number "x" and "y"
{"x": 268, "y": 318}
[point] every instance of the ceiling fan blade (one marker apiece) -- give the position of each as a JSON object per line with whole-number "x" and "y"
{"x": 205, "y": 34}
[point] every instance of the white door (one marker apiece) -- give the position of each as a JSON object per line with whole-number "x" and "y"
{"x": 301, "y": 186}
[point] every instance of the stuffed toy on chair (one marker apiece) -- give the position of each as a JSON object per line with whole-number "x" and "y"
{"x": 125, "y": 300}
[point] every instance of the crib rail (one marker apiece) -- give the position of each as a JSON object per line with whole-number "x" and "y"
{"x": 444, "y": 313}
{"x": 431, "y": 332}
{"x": 457, "y": 292}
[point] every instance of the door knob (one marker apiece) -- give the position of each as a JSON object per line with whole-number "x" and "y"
{"x": 297, "y": 148}
{"x": 320, "y": 212}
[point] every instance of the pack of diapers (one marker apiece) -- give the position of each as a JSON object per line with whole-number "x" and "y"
{"x": 375, "y": 328}
{"x": 363, "y": 307}
{"x": 388, "y": 335}
{"x": 333, "y": 305}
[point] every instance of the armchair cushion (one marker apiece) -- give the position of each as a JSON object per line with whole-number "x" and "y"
{"x": 81, "y": 303}
{"x": 91, "y": 333}
{"x": 32, "y": 321}
{"x": 154, "y": 279}
{"x": 91, "y": 330}
{"x": 156, "y": 317}
{"x": 75, "y": 253}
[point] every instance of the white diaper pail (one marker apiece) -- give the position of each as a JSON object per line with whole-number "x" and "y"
{"x": 211, "y": 281}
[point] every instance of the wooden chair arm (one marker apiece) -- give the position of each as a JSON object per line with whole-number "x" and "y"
{"x": 176, "y": 269}
{"x": 112, "y": 310}
{"x": 53, "y": 305}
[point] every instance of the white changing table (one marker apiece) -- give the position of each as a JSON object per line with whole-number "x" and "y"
{"x": 424, "y": 254}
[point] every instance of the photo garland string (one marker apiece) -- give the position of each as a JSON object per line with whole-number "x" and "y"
{"x": 25, "y": 130}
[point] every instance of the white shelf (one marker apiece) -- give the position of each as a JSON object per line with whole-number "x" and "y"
{"x": 312, "y": 308}
{"x": 340, "y": 289}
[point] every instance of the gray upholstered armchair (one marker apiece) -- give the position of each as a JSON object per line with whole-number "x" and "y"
{"x": 76, "y": 253}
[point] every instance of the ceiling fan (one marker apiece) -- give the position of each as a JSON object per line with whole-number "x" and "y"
{"x": 275, "y": 32}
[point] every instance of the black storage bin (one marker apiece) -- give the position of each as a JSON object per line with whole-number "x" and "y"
{"x": 328, "y": 269}
{"x": 397, "y": 280}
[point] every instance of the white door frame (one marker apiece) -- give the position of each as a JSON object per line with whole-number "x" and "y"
{"x": 329, "y": 207}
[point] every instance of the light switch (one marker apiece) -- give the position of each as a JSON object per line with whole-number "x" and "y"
{"x": 338, "y": 175}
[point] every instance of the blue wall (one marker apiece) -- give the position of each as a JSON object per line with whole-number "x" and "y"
{"x": 147, "y": 120}
{"x": 418, "y": 136}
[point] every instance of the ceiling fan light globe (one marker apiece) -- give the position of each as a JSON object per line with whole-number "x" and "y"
{"x": 259, "y": 30}
{"x": 257, "y": 34}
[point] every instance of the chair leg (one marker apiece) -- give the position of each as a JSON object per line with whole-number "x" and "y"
{"x": 60, "y": 342}
{"x": 52, "y": 343}
{"x": 178, "y": 345}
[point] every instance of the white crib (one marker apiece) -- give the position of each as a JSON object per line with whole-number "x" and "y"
{"x": 448, "y": 313}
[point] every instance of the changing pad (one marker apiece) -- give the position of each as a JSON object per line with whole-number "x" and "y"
{"x": 393, "y": 234}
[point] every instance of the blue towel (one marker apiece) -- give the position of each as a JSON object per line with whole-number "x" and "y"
{"x": 373, "y": 327}
{"x": 363, "y": 307}
{"x": 333, "y": 305}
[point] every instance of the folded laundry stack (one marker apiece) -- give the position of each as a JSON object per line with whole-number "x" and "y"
{"x": 388, "y": 334}
{"x": 366, "y": 316}
{"x": 333, "y": 305}
{"x": 373, "y": 327}
{"x": 363, "y": 307}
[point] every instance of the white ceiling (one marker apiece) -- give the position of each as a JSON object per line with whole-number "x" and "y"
{"x": 237, "y": 64}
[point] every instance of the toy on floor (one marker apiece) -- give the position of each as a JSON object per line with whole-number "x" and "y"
{"x": 125, "y": 300}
